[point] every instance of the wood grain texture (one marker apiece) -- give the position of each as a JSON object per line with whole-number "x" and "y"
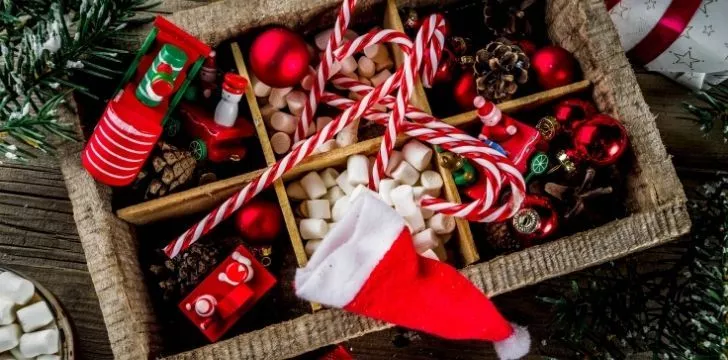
{"x": 38, "y": 237}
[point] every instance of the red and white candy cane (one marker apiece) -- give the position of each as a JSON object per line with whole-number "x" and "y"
{"x": 324, "y": 68}
{"x": 426, "y": 127}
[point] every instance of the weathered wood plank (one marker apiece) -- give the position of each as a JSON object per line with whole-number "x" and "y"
{"x": 38, "y": 237}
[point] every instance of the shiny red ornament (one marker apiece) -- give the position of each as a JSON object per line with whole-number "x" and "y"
{"x": 554, "y": 67}
{"x": 528, "y": 47}
{"x": 279, "y": 57}
{"x": 259, "y": 221}
{"x": 600, "y": 140}
{"x": 570, "y": 112}
{"x": 464, "y": 91}
{"x": 536, "y": 220}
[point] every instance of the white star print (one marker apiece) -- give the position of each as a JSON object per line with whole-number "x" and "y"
{"x": 704, "y": 6}
{"x": 686, "y": 58}
{"x": 621, "y": 10}
{"x": 686, "y": 33}
{"x": 650, "y": 4}
{"x": 708, "y": 30}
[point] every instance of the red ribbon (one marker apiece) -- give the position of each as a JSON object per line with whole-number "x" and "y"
{"x": 668, "y": 29}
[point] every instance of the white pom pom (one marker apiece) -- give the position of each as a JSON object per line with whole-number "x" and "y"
{"x": 515, "y": 346}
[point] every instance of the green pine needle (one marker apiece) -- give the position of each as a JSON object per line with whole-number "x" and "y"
{"x": 48, "y": 47}
{"x": 712, "y": 111}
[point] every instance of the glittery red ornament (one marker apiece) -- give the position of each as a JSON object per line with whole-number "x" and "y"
{"x": 536, "y": 220}
{"x": 570, "y": 112}
{"x": 554, "y": 67}
{"x": 600, "y": 140}
{"x": 279, "y": 57}
{"x": 259, "y": 221}
{"x": 464, "y": 91}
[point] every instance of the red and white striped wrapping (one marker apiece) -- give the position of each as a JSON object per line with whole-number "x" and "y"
{"x": 121, "y": 142}
{"x": 424, "y": 52}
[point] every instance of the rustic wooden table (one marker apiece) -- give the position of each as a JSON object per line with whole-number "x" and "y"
{"x": 38, "y": 237}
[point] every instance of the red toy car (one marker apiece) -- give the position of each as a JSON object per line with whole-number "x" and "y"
{"x": 227, "y": 293}
{"x": 212, "y": 141}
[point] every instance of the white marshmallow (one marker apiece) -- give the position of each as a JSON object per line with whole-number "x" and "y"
{"x": 403, "y": 199}
{"x": 426, "y": 213}
{"x": 318, "y": 209}
{"x": 307, "y": 82}
{"x": 39, "y": 342}
{"x": 430, "y": 254}
{"x": 260, "y": 88}
{"x": 425, "y": 240}
{"x": 332, "y": 224}
{"x": 339, "y": 209}
{"x": 280, "y": 142}
{"x": 18, "y": 355}
{"x": 9, "y": 336}
{"x": 357, "y": 167}
{"x": 394, "y": 159}
{"x": 296, "y": 100}
{"x": 418, "y": 191}
{"x": 445, "y": 237}
{"x": 417, "y": 154}
{"x": 376, "y": 52}
{"x": 7, "y": 311}
{"x": 441, "y": 224}
{"x": 329, "y": 176}
{"x": 360, "y": 189}
{"x": 348, "y": 135}
{"x": 311, "y": 246}
{"x": 283, "y": 121}
{"x": 322, "y": 121}
{"x": 311, "y": 128}
{"x": 322, "y": 38}
{"x": 35, "y": 316}
{"x": 365, "y": 80}
{"x": 335, "y": 193}
{"x": 406, "y": 173}
{"x": 343, "y": 182}
{"x": 432, "y": 182}
{"x": 15, "y": 288}
{"x": 327, "y": 146}
{"x": 348, "y": 65}
{"x": 277, "y": 97}
{"x": 385, "y": 187}
{"x": 380, "y": 77}
{"x": 313, "y": 228}
{"x": 295, "y": 191}
{"x": 48, "y": 357}
{"x": 366, "y": 67}
{"x": 313, "y": 185}
{"x": 266, "y": 112}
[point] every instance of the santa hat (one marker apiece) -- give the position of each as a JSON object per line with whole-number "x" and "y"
{"x": 367, "y": 265}
{"x": 487, "y": 112}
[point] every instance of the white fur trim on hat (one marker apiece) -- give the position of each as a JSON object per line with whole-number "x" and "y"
{"x": 349, "y": 253}
{"x": 515, "y": 346}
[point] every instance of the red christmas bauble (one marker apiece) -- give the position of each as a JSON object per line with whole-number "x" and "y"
{"x": 279, "y": 57}
{"x": 259, "y": 221}
{"x": 536, "y": 220}
{"x": 528, "y": 47}
{"x": 554, "y": 67}
{"x": 600, "y": 140}
{"x": 570, "y": 112}
{"x": 464, "y": 91}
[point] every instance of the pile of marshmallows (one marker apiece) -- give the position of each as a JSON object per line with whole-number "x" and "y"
{"x": 325, "y": 197}
{"x": 27, "y": 329}
{"x": 283, "y": 106}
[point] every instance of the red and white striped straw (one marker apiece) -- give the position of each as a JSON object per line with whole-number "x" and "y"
{"x": 426, "y": 49}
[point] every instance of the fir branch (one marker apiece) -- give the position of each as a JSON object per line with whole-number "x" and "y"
{"x": 46, "y": 48}
{"x": 676, "y": 307}
{"x": 713, "y": 110}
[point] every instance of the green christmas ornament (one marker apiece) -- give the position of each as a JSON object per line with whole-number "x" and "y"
{"x": 538, "y": 165}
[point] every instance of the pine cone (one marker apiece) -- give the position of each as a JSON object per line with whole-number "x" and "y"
{"x": 499, "y": 68}
{"x": 508, "y": 18}
{"x": 178, "y": 276}
{"x": 170, "y": 168}
{"x": 500, "y": 237}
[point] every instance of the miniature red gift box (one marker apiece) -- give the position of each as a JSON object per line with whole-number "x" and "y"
{"x": 227, "y": 293}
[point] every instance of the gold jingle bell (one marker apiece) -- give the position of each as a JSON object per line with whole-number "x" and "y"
{"x": 565, "y": 161}
{"x": 526, "y": 221}
{"x": 451, "y": 161}
{"x": 548, "y": 126}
